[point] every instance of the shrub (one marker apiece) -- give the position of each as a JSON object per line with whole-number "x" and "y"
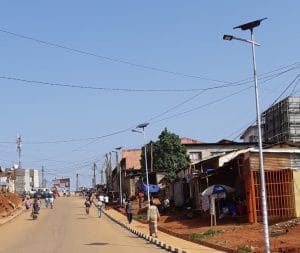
{"x": 244, "y": 248}
{"x": 208, "y": 233}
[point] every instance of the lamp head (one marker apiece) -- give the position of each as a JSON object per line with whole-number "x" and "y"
{"x": 227, "y": 37}
{"x": 135, "y": 131}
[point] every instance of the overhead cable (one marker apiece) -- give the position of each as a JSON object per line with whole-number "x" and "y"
{"x": 111, "y": 59}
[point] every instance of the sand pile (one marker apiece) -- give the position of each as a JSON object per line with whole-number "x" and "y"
{"x": 8, "y": 203}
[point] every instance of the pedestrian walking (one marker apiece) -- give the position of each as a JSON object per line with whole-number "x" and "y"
{"x": 106, "y": 201}
{"x": 128, "y": 209}
{"x": 87, "y": 204}
{"x": 99, "y": 207}
{"x": 101, "y": 198}
{"x": 140, "y": 198}
{"x": 153, "y": 217}
{"x": 27, "y": 203}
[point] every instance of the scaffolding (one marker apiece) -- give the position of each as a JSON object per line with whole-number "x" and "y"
{"x": 281, "y": 122}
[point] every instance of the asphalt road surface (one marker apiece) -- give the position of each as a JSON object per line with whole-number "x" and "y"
{"x": 67, "y": 229}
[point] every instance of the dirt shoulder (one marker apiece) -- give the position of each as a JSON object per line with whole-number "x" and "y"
{"x": 9, "y": 204}
{"x": 231, "y": 233}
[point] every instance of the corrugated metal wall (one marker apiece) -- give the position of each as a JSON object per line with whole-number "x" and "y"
{"x": 272, "y": 161}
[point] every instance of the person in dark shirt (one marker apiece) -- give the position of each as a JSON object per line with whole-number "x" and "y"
{"x": 87, "y": 204}
{"x": 128, "y": 209}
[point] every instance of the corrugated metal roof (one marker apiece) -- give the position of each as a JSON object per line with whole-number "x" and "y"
{"x": 228, "y": 157}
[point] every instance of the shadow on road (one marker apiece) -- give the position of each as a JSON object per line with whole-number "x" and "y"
{"x": 96, "y": 244}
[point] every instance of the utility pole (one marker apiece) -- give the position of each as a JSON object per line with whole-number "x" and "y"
{"x": 106, "y": 171}
{"x": 94, "y": 177}
{"x": 77, "y": 182}
{"x": 110, "y": 172}
{"x": 101, "y": 178}
{"x": 151, "y": 146}
{"x": 119, "y": 170}
{"x": 19, "y": 141}
{"x": 43, "y": 179}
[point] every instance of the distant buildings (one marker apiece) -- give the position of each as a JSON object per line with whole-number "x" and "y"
{"x": 19, "y": 180}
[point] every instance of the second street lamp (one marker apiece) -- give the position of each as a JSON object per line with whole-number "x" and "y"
{"x": 143, "y": 126}
{"x": 119, "y": 169}
{"x": 250, "y": 26}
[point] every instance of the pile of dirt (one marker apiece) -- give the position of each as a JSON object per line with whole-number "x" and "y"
{"x": 8, "y": 203}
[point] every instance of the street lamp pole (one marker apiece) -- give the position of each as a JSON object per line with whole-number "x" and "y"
{"x": 120, "y": 175}
{"x": 143, "y": 126}
{"x": 250, "y": 26}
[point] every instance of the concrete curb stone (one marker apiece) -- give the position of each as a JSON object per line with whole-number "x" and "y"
{"x": 146, "y": 237}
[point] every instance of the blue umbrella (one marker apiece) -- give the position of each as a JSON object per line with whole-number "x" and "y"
{"x": 217, "y": 189}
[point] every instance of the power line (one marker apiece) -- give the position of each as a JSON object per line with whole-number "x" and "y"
{"x": 264, "y": 77}
{"x": 223, "y": 98}
{"x": 295, "y": 80}
{"x": 101, "y": 88}
{"x": 88, "y": 87}
{"x": 111, "y": 59}
{"x": 201, "y": 106}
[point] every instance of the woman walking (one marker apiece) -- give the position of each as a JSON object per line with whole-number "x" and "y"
{"x": 153, "y": 217}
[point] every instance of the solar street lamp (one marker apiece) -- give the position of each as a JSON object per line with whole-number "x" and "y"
{"x": 250, "y": 26}
{"x": 142, "y": 131}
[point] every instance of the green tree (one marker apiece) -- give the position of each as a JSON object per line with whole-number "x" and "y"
{"x": 169, "y": 155}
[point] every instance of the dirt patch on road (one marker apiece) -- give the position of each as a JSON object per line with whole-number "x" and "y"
{"x": 9, "y": 202}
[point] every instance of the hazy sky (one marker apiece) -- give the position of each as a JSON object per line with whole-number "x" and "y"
{"x": 152, "y": 57}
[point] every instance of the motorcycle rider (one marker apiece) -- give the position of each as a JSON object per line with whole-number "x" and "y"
{"x": 51, "y": 198}
{"x": 36, "y": 208}
{"x": 47, "y": 200}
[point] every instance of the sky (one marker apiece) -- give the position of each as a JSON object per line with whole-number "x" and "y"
{"x": 77, "y": 76}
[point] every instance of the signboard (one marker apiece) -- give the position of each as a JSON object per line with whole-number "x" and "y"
{"x": 63, "y": 183}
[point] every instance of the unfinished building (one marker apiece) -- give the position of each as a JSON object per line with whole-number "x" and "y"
{"x": 281, "y": 122}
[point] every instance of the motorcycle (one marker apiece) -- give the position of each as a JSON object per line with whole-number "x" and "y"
{"x": 34, "y": 214}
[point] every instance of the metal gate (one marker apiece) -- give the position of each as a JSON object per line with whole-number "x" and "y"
{"x": 280, "y": 194}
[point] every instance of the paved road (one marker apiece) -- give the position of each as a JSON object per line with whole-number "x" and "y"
{"x": 66, "y": 229}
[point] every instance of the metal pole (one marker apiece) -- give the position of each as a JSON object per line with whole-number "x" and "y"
{"x": 77, "y": 183}
{"x": 151, "y": 168}
{"x": 94, "y": 176}
{"x": 19, "y": 140}
{"x": 146, "y": 165}
{"x": 43, "y": 179}
{"x": 120, "y": 178}
{"x": 261, "y": 158}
